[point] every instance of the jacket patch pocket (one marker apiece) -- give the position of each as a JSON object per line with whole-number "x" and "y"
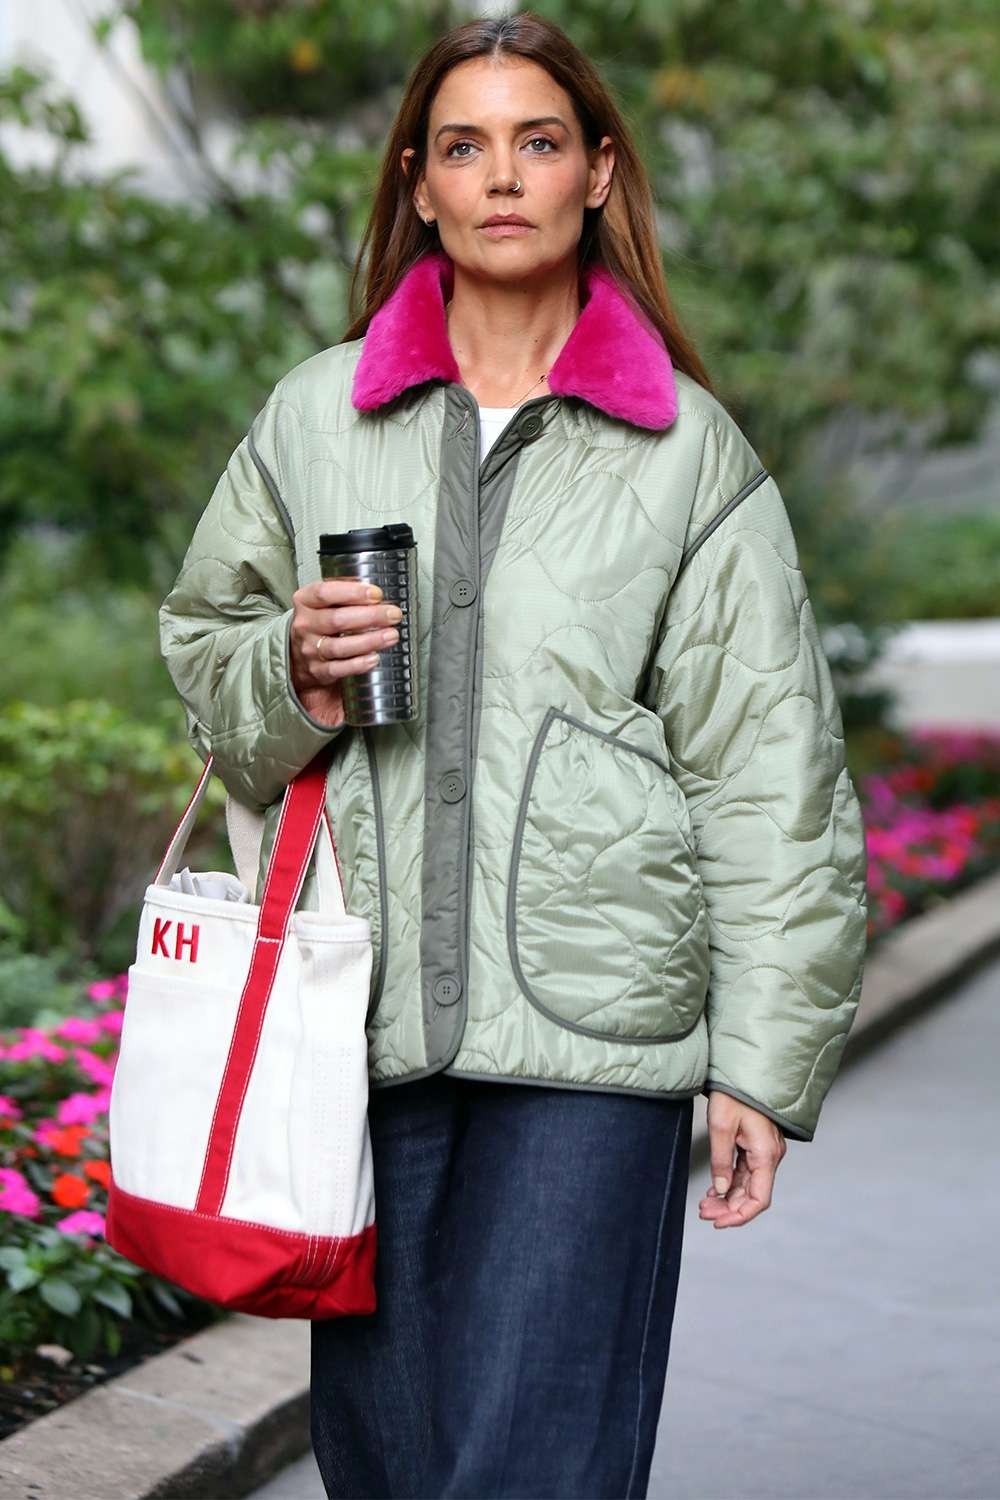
{"x": 606, "y": 925}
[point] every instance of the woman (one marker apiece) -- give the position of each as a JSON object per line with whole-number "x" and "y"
{"x": 617, "y": 861}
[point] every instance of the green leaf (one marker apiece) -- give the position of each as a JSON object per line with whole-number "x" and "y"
{"x": 86, "y": 1332}
{"x": 112, "y": 1294}
{"x": 164, "y": 1295}
{"x": 22, "y": 1277}
{"x": 123, "y": 1267}
{"x": 11, "y": 1257}
{"x": 61, "y": 1295}
{"x": 112, "y": 1336}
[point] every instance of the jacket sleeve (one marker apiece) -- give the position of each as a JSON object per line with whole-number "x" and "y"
{"x": 755, "y": 739}
{"x": 225, "y": 625}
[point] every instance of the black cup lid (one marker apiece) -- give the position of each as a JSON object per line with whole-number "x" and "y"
{"x": 367, "y": 539}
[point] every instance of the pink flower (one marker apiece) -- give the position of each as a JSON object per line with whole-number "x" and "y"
{"x": 9, "y": 1109}
{"x": 112, "y": 1021}
{"x": 44, "y": 1131}
{"x": 103, "y": 989}
{"x": 79, "y": 1029}
{"x": 16, "y": 1196}
{"x": 84, "y": 1221}
{"x": 80, "y": 1109}
{"x": 35, "y": 1043}
{"x": 96, "y": 1068}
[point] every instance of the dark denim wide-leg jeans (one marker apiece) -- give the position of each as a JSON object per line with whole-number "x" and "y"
{"x": 528, "y": 1258}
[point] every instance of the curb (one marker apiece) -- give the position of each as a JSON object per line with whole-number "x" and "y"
{"x": 215, "y": 1416}
{"x": 223, "y": 1411}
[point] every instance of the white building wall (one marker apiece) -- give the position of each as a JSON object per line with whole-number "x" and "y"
{"x": 121, "y": 99}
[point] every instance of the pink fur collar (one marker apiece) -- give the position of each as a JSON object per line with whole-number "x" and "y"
{"x": 614, "y": 357}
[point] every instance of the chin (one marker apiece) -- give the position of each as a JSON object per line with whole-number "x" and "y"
{"x": 515, "y": 260}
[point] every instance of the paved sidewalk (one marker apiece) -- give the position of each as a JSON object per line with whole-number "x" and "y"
{"x": 943, "y": 672}
{"x": 846, "y": 1346}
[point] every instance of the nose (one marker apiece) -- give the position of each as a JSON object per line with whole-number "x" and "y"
{"x": 505, "y": 178}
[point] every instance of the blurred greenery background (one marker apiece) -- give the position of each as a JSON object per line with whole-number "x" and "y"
{"x": 827, "y": 174}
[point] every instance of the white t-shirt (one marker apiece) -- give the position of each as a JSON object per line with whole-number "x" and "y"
{"x": 492, "y": 421}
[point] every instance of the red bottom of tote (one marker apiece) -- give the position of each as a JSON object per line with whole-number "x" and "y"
{"x": 274, "y": 1273}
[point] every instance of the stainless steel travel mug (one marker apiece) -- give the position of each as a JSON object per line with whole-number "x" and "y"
{"x": 386, "y": 555}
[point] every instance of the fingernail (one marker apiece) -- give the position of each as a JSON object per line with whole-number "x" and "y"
{"x": 374, "y": 592}
{"x": 719, "y": 1183}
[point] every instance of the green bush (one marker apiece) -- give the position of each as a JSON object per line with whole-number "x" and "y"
{"x": 35, "y": 990}
{"x": 73, "y": 1290}
{"x": 67, "y": 636}
{"x": 945, "y": 567}
{"x": 60, "y": 1281}
{"x": 88, "y": 799}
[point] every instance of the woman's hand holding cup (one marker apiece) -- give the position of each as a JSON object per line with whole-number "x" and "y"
{"x": 338, "y": 628}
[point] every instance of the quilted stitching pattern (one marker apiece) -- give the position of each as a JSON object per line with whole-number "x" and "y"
{"x": 622, "y": 959}
{"x": 749, "y": 711}
{"x": 730, "y": 875}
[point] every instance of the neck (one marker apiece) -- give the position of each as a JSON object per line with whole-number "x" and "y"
{"x": 507, "y": 334}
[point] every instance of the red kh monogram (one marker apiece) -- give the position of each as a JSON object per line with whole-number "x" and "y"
{"x": 182, "y": 939}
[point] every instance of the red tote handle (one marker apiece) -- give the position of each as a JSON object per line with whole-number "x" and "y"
{"x": 294, "y": 841}
{"x": 301, "y": 813}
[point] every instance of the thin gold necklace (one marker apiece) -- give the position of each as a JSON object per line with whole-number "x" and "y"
{"x": 544, "y": 376}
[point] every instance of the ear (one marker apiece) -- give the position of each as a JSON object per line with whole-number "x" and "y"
{"x": 420, "y": 202}
{"x": 602, "y": 166}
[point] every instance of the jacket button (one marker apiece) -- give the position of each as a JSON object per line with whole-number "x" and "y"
{"x": 447, "y": 989}
{"x": 452, "y": 786}
{"x": 462, "y": 591}
{"x": 530, "y": 426}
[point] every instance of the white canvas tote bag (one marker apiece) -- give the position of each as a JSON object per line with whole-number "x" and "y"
{"x": 240, "y": 1154}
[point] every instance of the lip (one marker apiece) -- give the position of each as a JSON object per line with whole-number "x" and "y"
{"x": 506, "y": 231}
{"x": 503, "y": 226}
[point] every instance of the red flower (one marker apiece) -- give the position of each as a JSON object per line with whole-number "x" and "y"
{"x": 67, "y": 1142}
{"x": 70, "y": 1191}
{"x": 100, "y": 1171}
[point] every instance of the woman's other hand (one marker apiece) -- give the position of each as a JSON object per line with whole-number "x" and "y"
{"x": 738, "y": 1194}
{"x": 338, "y": 628}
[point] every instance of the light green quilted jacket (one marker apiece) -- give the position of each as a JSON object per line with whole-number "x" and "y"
{"x": 619, "y": 848}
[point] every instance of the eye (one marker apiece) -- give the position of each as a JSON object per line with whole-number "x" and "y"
{"x": 545, "y": 142}
{"x": 454, "y": 144}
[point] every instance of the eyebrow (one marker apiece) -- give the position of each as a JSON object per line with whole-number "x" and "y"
{"x": 524, "y": 125}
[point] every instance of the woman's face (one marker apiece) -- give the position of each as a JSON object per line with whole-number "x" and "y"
{"x": 493, "y": 123}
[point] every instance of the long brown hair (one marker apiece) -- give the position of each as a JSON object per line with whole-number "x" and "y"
{"x": 621, "y": 234}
